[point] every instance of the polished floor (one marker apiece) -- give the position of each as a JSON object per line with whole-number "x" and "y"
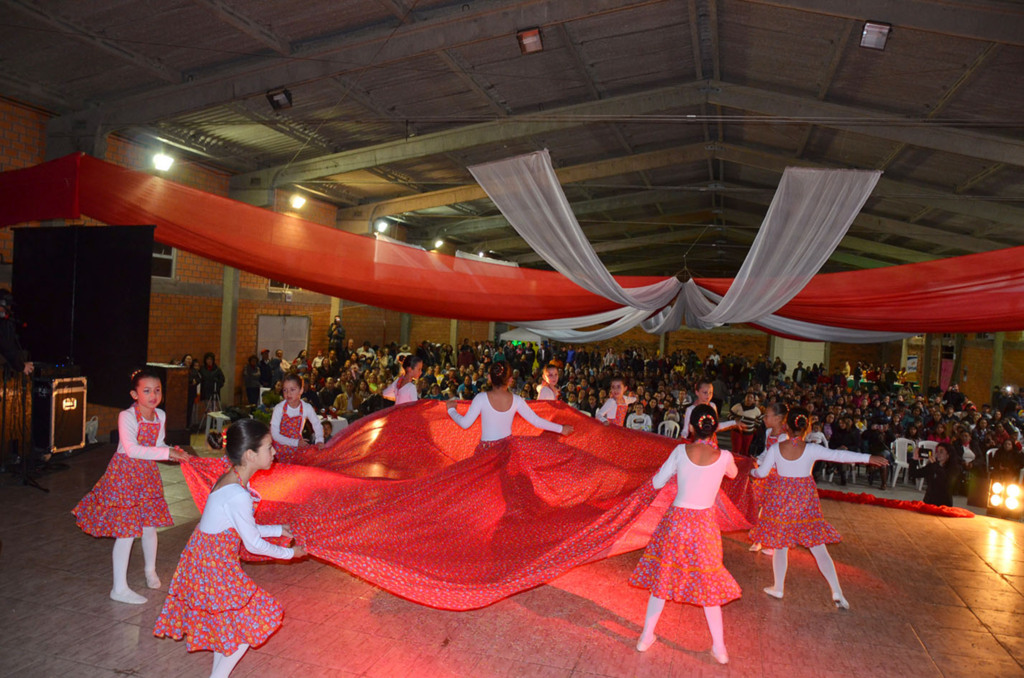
{"x": 930, "y": 597}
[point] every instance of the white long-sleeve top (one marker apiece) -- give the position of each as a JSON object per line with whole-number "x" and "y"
{"x": 232, "y": 506}
{"x": 128, "y": 437}
{"x": 799, "y": 468}
{"x": 545, "y": 393}
{"x": 406, "y": 394}
{"x": 610, "y": 407}
{"x": 698, "y": 485}
{"x": 722, "y": 425}
{"x": 496, "y": 424}
{"x": 307, "y": 412}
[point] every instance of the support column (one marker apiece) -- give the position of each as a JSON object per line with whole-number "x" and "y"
{"x": 453, "y": 333}
{"x": 404, "y": 321}
{"x": 82, "y": 132}
{"x": 661, "y": 344}
{"x": 997, "y": 364}
{"x": 229, "y": 334}
{"x": 926, "y": 365}
{"x": 336, "y": 306}
{"x": 490, "y": 331}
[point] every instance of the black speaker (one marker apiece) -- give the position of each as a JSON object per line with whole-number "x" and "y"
{"x": 58, "y": 414}
{"x": 81, "y": 296}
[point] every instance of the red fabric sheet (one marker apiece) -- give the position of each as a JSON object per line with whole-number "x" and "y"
{"x": 903, "y": 504}
{"x": 399, "y": 499}
{"x": 974, "y": 293}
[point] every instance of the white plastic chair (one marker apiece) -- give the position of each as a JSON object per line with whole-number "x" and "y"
{"x": 669, "y": 428}
{"x": 900, "y": 450}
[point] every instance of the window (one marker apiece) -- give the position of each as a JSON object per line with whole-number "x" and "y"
{"x": 278, "y": 286}
{"x": 163, "y": 260}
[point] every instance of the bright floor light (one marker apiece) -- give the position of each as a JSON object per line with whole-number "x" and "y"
{"x": 1012, "y": 503}
{"x": 996, "y": 499}
{"x": 297, "y": 202}
{"x": 438, "y": 243}
{"x": 1013, "y": 490}
{"x": 997, "y": 487}
{"x": 382, "y": 226}
{"x": 162, "y": 162}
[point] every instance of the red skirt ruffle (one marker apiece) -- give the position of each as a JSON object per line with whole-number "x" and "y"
{"x": 683, "y": 561}
{"x": 212, "y": 603}
{"x": 791, "y": 516}
{"x": 128, "y": 497}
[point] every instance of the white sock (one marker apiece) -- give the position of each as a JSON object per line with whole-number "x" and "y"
{"x": 828, "y": 569}
{"x": 149, "y": 556}
{"x": 120, "y": 556}
{"x": 647, "y": 638}
{"x": 714, "y": 616}
{"x": 224, "y": 664}
{"x": 780, "y": 562}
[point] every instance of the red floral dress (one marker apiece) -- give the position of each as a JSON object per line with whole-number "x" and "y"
{"x": 291, "y": 427}
{"x": 791, "y": 516}
{"x": 212, "y": 603}
{"x": 683, "y": 561}
{"x": 129, "y": 496}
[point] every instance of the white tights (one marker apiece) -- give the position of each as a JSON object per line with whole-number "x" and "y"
{"x": 780, "y": 562}
{"x": 122, "y": 554}
{"x": 712, "y": 614}
{"x": 223, "y": 664}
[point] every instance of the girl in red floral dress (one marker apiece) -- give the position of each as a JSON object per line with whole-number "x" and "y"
{"x": 211, "y": 602}
{"x": 683, "y": 561}
{"x": 791, "y": 513}
{"x": 290, "y": 417}
{"x": 128, "y": 501}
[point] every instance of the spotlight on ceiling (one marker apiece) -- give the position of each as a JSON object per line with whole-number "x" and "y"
{"x": 162, "y": 162}
{"x": 529, "y": 41}
{"x": 438, "y": 244}
{"x": 279, "y": 99}
{"x": 382, "y": 225}
{"x": 874, "y": 35}
{"x": 297, "y": 201}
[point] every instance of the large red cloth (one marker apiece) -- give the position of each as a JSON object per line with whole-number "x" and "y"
{"x": 400, "y": 499}
{"x": 973, "y": 293}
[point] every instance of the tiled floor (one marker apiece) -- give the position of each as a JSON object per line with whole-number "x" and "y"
{"x": 930, "y": 597}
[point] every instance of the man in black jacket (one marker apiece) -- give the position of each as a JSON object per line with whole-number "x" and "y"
{"x": 10, "y": 347}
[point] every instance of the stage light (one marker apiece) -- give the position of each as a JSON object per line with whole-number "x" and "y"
{"x": 874, "y": 35}
{"x": 1004, "y": 500}
{"x": 480, "y": 254}
{"x": 297, "y": 201}
{"x": 382, "y": 225}
{"x": 162, "y": 162}
{"x": 438, "y": 244}
{"x": 529, "y": 41}
{"x": 279, "y": 99}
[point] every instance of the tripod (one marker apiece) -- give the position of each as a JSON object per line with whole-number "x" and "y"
{"x": 23, "y": 449}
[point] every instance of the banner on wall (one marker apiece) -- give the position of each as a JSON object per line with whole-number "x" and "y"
{"x": 911, "y": 364}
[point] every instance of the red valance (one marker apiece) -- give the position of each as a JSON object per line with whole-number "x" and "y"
{"x": 974, "y": 293}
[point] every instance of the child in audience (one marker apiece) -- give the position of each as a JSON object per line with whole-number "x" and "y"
{"x": 128, "y": 501}
{"x": 211, "y": 602}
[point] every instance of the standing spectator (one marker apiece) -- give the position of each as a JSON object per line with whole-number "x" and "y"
{"x": 336, "y": 336}
{"x": 251, "y": 380}
{"x": 211, "y": 381}
{"x": 266, "y": 371}
{"x": 277, "y": 366}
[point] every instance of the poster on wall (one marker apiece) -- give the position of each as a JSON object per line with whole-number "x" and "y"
{"x": 911, "y": 364}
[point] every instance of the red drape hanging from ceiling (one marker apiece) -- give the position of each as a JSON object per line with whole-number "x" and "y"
{"x": 974, "y": 293}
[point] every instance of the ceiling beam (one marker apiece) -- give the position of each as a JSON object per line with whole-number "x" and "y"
{"x": 83, "y": 34}
{"x": 446, "y": 27}
{"x": 470, "y": 136}
{"x": 566, "y": 175}
{"x": 902, "y": 129}
{"x": 975, "y": 19}
{"x": 595, "y": 206}
{"x": 836, "y": 52}
{"x": 944, "y": 200}
{"x": 626, "y": 244}
{"x": 247, "y": 25}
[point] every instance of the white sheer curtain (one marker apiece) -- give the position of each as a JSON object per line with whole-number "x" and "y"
{"x": 808, "y": 217}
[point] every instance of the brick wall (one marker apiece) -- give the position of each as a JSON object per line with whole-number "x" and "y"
{"x": 436, "y": 330}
